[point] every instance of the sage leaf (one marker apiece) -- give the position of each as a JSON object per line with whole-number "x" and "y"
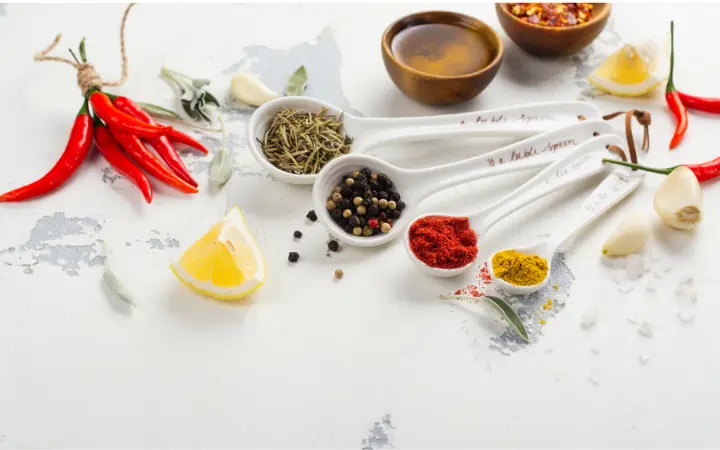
{"x": 112, "y": 280}
{"x": 502, "y": 307}
{"x": 297, "y": 82}
{"x": 221, "y": 166}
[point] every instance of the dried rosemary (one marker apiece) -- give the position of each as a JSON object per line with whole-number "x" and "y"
{"x": 302, "y": 143}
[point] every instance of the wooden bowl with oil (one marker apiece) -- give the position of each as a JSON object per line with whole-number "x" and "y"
{"x": 547, "y": 41}
{"x": 440, "y": 57}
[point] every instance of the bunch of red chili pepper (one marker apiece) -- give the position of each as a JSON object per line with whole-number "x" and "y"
{"x": 119, "y": 128}
{"x": 678, "y": 101}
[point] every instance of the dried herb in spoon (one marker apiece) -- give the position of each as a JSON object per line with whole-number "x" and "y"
{"x": 302, "y": 143}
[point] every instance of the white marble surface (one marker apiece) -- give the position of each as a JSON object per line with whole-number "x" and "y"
{"x": 375, "y": 360}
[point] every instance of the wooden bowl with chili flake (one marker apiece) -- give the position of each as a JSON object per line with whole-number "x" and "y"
{"x": 553, "y": 29}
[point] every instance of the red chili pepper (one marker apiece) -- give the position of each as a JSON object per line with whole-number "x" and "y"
{"x": 703, "y": 172}
{"x": 77, "y": 148}
{"x": 707, "y": 104}
{"x": 149, "y": 162}
{"x": 673, "y": 97}
{"x": 116, "y": 119}
{"x": 120, "y": 162}
{"x": 183, "y": 138}
{"x": 161, "y": 144}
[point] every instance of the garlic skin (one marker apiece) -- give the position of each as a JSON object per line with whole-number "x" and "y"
{"x": 248, "y": 89}
{"x": 629, "y": 236}
{"x": 678, "y": 200}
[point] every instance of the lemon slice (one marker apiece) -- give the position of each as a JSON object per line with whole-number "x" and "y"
{"x": 225, "y": 263}
{"x": 630, "y": 71}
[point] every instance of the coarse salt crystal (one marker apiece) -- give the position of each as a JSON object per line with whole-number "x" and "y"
{"x": 631, "y": 319}
{"x": 589, "y": 318}
{"x": 685, "y": 293}
{"x": 645, "y": 329}
{"x": 652, "y": 285}
{"x": 644, "y": 358}
{"x": 594, "y": 379}
{"x": 635, "y": 267}
{"x": 594, "y": 350}
{"x": 686, "y": 315}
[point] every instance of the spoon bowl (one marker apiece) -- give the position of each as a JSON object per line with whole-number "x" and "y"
{"x": 369, "y": 133}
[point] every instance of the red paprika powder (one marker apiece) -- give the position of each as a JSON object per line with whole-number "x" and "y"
{"x": 443, "y": 242}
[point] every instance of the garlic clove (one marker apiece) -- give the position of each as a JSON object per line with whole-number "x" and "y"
{"x": 678, "y": 200}
{"x": 248, "y": 89}
{"x": 630, "y": 236}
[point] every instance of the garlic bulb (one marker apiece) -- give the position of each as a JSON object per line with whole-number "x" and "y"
{"x": 630, "y": 235}
{"x": 678, "y": 200}
{"x": 248, "y": 89}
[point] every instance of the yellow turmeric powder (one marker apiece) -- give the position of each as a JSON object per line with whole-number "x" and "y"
{"x": 518, "y": 268}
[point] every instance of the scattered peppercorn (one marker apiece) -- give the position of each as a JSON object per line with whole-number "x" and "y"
{"x": 365, "y": 203}
{"x": 333, "y": 245}
{"x": 339, "y": 274}
{"x": 297, "y": 234}
{"x": 311, "y": 215}
{"x": 293, "y": 257}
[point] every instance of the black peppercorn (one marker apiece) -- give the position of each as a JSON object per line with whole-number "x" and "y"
{"x": 347, "y": 192}
{"x": 382, "y": 179}
{"x": 341, "y": 221}
{"x": 373, "y": 185}
{"x": 345, "y": 204}
{"x": 333, "y": 246}
{"x": 365, "y": 171}
{"x": 372, "y": 211}
{"x": 297, "y": 234}
{"x": 354, "y": 221}
{"x": 348, "y": 228}
{"x": 311, "y": 215}
{"x": 400, "y": 205}
{"x": 361, "y": 185}
{"x": 395, "y": 196}
{"x": 362, "y": 221}
{"x": 293, "y": 257}
{"x": 357, "y": 193}
{"x": 361, "y": 177}
{"x": 382, "y": 195}
{"x": 336, "y": 214}
{"x": 395, "y": 214}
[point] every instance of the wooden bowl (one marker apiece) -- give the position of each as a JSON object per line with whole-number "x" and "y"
{"x": 437, "y": 89}
{"x": 553, "y": 41}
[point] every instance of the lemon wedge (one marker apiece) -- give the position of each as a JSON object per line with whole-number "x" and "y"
{"x": 225, "y": 263}
{"x": 629, "y": 72}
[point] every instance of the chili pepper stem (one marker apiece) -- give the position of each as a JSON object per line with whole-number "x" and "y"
{"x": 670, "y": 87}
{"x": 640, "y": 167}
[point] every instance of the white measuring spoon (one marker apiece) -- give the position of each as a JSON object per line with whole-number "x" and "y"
{"x": 577, "y": 165}
{"x": 367, "y": 133}
{"x": 416, "y": 185}
{"x": 619, "y": 184}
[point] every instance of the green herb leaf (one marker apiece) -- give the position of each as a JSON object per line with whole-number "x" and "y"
{"x": 113, "y": 282}
{"x": 501, "y": 306}
{"x": 82, "y": 51}
{"x": 159, "y": 111}
{"x": 221, "y": 166}
{"x": 196, "y": 101}
{"x": 297, "y": 82}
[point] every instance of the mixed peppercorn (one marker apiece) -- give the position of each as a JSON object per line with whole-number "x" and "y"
{"x": 365, "y": 203}
{"x": 552, "y": 14}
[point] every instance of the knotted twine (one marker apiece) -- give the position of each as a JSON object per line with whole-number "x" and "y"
{"x": 644, "y": 119}
{"x": 87, "y": 77}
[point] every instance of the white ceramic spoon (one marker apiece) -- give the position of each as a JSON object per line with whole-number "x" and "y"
{"x": 367, "y": 133}
{"x": 574, "y": 166}
{"x": 619, "y": 184}
{"x": 416, "y": 185}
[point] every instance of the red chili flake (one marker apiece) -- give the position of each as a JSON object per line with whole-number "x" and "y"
{"x": 552, "y": 14}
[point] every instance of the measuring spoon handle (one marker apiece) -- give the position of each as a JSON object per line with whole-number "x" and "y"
{"x": 532, "y": 153}
{"x": 538, "y": 117}
{"x": 575, "y": 166}
{"x": 620, "y": 183}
